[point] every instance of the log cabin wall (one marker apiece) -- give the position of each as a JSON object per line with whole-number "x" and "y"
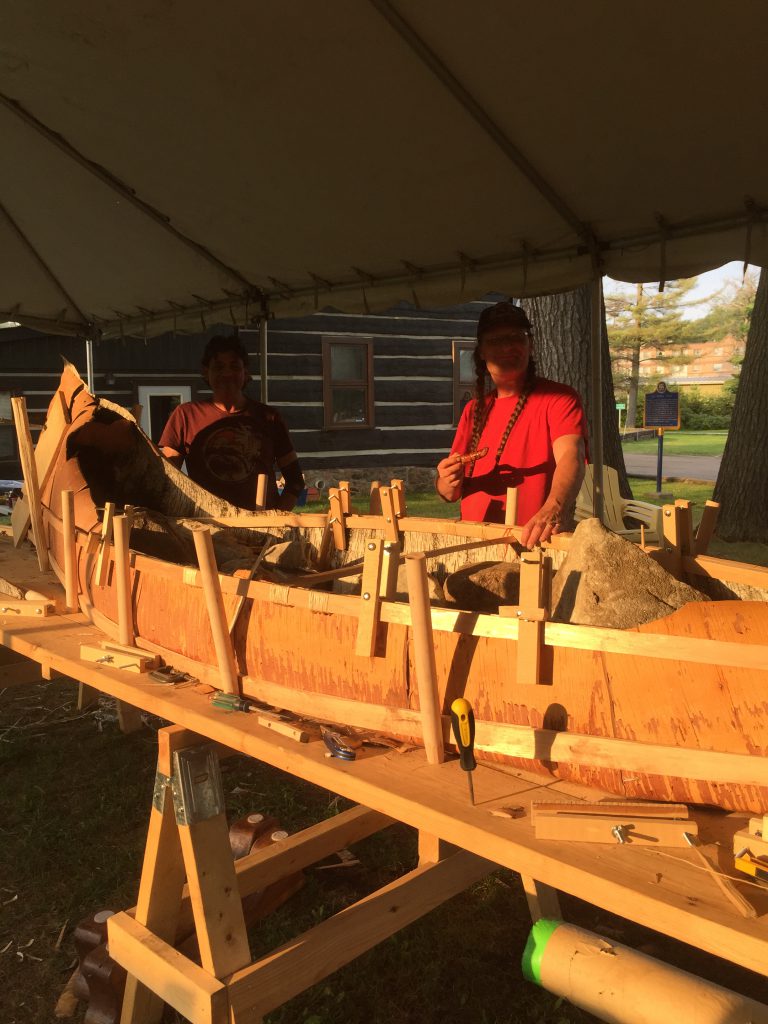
{"x": 414, "y": 393}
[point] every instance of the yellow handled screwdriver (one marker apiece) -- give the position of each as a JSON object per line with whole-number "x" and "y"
{"x": 463, "y": 725}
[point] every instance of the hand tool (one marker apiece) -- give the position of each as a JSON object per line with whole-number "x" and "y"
{"x": 463, "y": 725}
{"x": 338, "y": 744}
{"x": 231, "y": 702}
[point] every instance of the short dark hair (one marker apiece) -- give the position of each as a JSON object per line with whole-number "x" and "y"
{"x": 224, "y": 343}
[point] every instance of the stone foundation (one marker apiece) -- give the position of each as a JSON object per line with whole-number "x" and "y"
{"x": 416, "y": 478}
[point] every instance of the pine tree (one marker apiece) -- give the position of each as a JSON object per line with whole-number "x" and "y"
{"x": 646, "y": 327}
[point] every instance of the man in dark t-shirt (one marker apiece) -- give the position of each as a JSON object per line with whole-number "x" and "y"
{"x": 229, "y": 440}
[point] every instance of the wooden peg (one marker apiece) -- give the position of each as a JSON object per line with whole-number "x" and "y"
{"x": 424, "y": 656}
{"x": 370, "y": 599}
{"x": 344, "y": 495}
{"x": 70, "y": 549}
{"x": 222, "y": 642}
{"x": 31, "y": 483}
{"x": 125, "y": 625}
{"x": 389, "y": 514}
{"x": 398, "y": 497}
{"x": 374, "y": 502}
{"x": 102, "y": 562}
{"x": 706, "y": 527}
{"x": 510, "y": 519}
{"x": 338, "y": 519}
{"x": 261, "y": 491}
{"x": 324, "y": 547}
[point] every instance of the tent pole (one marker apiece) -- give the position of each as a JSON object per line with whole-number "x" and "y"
{"x": 596, "y": 324}
{"x": 263, "y": 380}
{"x": 89, "y": 363}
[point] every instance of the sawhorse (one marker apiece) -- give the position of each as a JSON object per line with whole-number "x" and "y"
{"x": 188, "y": 838}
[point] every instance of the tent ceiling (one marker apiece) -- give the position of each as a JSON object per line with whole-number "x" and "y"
{"x": 163, "y": 159}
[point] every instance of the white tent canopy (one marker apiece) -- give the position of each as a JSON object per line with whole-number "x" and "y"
{"x": 163, "y": 160}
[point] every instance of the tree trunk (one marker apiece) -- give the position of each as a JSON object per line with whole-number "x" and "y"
{"x": 742, "y": 483}
{"x": 634, "y": 382}
{"x": 561, "y": 348}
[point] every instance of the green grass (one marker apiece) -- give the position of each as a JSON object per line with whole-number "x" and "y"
{"x": 681, "y": 442}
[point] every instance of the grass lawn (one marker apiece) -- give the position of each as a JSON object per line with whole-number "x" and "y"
{"x": 681, "y": 442}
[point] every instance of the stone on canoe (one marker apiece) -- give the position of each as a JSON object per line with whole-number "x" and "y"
{"x": 606, "y": 580}
{"x": 483, "y": 586}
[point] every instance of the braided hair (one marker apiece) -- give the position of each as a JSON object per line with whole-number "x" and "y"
{"x": 502, "y": 312}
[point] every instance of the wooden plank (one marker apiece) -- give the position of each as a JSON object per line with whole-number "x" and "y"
{"x": 261, "y": 491}
{"x": 17, "y": 673}
{"x": 189, "y": 989}
{"x": 10, "y": 606}
{"x": 140, "y": 661}
{"x": 222, "y": 641}
{"x": 390, "y": 566}
{"x": 31, "y": 482}
{"x": 597, "y": 828}
{"x": 105, "y": 547}
{"x": 21, "y": 521}
{"x": 344, "y": 496}
{"x": 684, "y": 514}
{"x": 397, "y": 488}
{"x": 724, "y": 884}
{"x": 649, "y": 809}
{"x": 510, "y": 519}
{"x": 125, "y": 623}
{"x": 273, "y": 980}
{"x": 706, "y": 527}
{"x": 70, "y": 549}
{"x": 424, "y": 657}
{"x": 367, "y": 623}
{"x": 374, "y": 499}
{"x": 530, "y": 638}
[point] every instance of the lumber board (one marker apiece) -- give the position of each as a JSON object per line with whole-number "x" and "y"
{"x": 599, "y": 828}
{"x": 275, "y": 978}
{"x": 197, "y": 996}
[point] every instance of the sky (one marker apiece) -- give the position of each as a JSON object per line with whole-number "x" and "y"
{"x": 707, "y": 284}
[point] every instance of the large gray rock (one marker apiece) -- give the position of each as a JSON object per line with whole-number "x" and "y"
{"x": 483, "y": 586}
{"x": 607, "y": 581}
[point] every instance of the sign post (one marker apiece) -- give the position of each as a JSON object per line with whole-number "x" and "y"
{"x": 661, "y": 409}
{"x": 619, "y": 407}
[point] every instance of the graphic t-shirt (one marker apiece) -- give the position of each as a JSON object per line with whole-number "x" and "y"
{"x": 226, "y": 451}
{"x": 527, "y": 462}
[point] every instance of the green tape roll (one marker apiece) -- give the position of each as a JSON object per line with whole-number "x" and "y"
{"x": 540, "y": 935}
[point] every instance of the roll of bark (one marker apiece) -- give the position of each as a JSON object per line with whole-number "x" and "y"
{"x": 621, "y": 986}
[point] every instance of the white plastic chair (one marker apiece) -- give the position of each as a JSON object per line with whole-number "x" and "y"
{"x": 616, "y": 508}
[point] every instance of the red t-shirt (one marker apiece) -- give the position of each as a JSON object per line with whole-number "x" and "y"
{"x": 226, "y": 451}
{"x": 527, "y": 461}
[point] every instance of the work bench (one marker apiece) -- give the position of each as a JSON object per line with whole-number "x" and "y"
{"x": 665, "y": 890}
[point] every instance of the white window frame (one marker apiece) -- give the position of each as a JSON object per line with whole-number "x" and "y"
{"x": 146, "y": 391}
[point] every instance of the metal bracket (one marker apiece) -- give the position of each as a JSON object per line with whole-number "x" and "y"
{"x": 197, "y": 790}
{"x": 162, "y": 782}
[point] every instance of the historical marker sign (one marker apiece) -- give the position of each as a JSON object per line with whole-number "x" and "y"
{"x": 662, "y": 408}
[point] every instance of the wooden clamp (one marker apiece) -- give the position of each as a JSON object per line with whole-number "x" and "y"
{"x": 338, "y": 519}
{"x": 370, "y": 599}
{"x": 389, "y": 514}
{"x": 588, "y": 825}
{"x": 122, "y": 530}
{"x": 706, "y": 527}
{"x": 510, "y": 519}
{"x": 129, "y": 659}
{"x": 424, "y": 656}
{"x": 392, "y": 559}
{"x": 532, "y": 612}
{"x": 684, "y": 515}
{"x": 374, "y": 501}
{"x": 222, "y": 641}
{"x": 102, "y": 562}
{"x": 13, "y": 606}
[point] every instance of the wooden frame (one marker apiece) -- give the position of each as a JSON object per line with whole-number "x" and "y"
{"x": 329, "y": 385}
{"x": 460, "y": 387}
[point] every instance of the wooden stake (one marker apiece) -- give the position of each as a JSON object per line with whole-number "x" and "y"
{"x": 261, "y": 491}
{"x": 222, "y": 642}
{"x": 510, "y": 519}
{"x": 424, "y": 657}
{"x": 374, "y": 501}
{"x": 370, "y": 600}
{"x": 398, "y": 496}
{"x": 389, "y": 512}
{"x": 102, "y": 562}
{"x": 345, "y": 496}
{"x": 389, "y": 570}
{"x": 338, "y": 519}
{"x": 122, "y": 531}
{"x": 530, "y": 637}
{"x": 684, "y": 515}
{"x": 31, "y": 484}
{"x": 324, "y": 547}
{"x": 70, "y": 549}
{"x": 706, "y": 527}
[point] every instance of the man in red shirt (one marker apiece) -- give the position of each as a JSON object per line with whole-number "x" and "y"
{"x": 533, "y": 432}
{"x": 229, "y": 440}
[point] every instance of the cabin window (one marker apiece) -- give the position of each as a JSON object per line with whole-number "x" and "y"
{"x": 463, "y": 376}
{"x": 347, "y": 383}
{"x": 157, "y": 403}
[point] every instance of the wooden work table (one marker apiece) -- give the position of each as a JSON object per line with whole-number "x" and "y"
{"x": 667, "y": 890}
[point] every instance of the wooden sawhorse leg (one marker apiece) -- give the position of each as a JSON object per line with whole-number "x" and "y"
{"x": 188, "y": 838}
{"x": 543, "y": 900}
